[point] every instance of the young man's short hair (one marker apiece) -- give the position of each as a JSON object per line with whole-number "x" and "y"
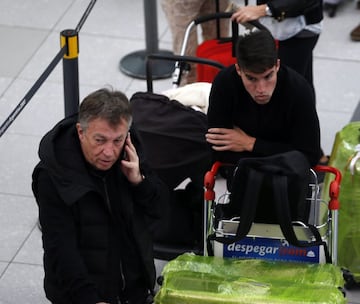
{"x": 256, "y": 51}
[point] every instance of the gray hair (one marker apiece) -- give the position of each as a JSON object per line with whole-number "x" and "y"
{"x": 113, "y": 106}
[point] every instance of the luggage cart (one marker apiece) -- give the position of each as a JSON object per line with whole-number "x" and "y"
{"x": 266, "y": 241}
{"x": 195, "y": 279}
{"x": 189, "y": 278}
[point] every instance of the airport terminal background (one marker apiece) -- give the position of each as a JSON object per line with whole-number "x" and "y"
{"x": 29, "y": 40}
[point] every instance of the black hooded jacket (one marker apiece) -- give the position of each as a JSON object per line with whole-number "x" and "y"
{"x": 95, "y": 224}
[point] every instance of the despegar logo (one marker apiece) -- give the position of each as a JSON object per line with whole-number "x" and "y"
{"x": 251, "y": 249}
{"x": 270, "y": 250}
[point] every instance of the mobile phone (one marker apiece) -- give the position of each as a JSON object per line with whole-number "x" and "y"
{"x": 123, "y": 152}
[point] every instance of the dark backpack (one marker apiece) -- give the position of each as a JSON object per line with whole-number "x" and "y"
{"x": 271, "y": 190}
{"x": 173, "y": 136}
{"x": 174, "y": 142}
{"x": 254, "y": 181}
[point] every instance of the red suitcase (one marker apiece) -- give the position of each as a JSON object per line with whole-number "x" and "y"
{"x": 215, "y": 50}
{"x": 221, "y": 49}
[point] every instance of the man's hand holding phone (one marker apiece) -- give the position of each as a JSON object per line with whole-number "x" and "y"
{"x": 129, "y": 162}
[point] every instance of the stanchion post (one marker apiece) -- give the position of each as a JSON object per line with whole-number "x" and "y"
{"x": 134, "y": 64}
{"x": 70, "y": 71}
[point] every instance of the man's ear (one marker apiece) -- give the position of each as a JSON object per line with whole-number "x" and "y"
{"x": 238, "y": 69}
{"x": 80, "y": 131}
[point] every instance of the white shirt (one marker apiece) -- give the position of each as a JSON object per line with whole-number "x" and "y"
{"x": 289, "y": 27}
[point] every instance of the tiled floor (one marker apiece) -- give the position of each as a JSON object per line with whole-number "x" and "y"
{"x": 29, "y": 40}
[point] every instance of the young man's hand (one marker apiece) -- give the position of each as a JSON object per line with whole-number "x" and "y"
{"x": 235, "y": 140}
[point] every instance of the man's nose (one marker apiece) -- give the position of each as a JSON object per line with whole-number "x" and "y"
{"x": 109, "y": 149}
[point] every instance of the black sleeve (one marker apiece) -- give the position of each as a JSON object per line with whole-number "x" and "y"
{"x": 220, "y": 111}
{"x": 282, "y": 9}
{"x": 306, "y": 127}
{"x": 220, "y": 105}
{"x": 61, "y": 254}
{"x": 305, "y": 123}
{"x": 151, "y": 195}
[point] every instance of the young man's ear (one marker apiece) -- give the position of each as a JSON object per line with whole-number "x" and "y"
{"x": 277, "y": 65}
{"x": 238, "y": 70}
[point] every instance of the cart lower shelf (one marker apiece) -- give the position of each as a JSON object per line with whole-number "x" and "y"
{"x": 196, "y": 279}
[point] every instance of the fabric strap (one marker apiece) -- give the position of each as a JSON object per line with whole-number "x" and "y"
{"x": 249, "y": 204}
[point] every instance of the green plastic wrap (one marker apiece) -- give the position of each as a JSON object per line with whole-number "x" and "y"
{"x": 344, "y": 149}
{"x": 191, "y": 279}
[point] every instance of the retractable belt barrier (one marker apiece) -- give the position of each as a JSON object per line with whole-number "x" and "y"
{"x": 69, "y": 53}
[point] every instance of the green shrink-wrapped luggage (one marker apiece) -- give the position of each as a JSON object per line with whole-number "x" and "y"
{"x": 344, "y": 156}
{"x": 191, "y": 279}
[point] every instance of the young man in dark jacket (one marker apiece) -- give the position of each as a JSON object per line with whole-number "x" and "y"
{"x": 95, "y": 197}
{"x": 258, "y": 107}
{"x": 296, "y": 25}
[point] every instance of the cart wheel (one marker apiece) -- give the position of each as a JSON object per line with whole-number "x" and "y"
{"x": 342, "y": 291}
{"x": 160, "y": 280}
{"x": 350, "y": 282}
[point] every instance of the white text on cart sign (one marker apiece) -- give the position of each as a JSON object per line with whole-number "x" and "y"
{"x": 260, "y": 250}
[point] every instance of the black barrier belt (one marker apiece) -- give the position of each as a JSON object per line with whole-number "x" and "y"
{"x": 32, "y": 91}
{"x": 85, "y": 15}
{"x": 6, "y": 124}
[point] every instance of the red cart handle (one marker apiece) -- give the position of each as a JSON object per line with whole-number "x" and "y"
{"x": 209, "y": 181}
{"x": 334, "y": 187}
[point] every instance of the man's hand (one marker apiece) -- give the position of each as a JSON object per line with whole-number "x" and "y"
{"x": 235, "y": 140}
{"x": 249, "y": 13}
{"x": 130, "y": 165}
